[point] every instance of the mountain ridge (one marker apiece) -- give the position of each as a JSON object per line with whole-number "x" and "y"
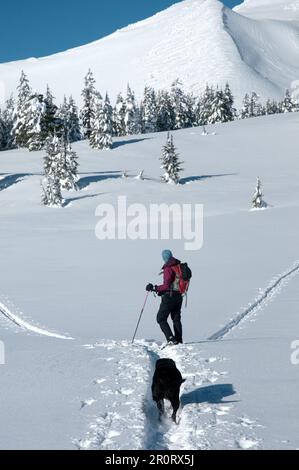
{"x": 197, "y": 41}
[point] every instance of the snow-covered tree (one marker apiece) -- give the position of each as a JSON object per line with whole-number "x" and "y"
{"x": 272, "y": 107}
{"x": 288, "y": 105}
{"x": 165, "y": 112}
{"x": 132, "y": 115}
{"x": 22, "y": 112}
{"x": 179, "y": 105}
{"x": 50, "y": 122}
{"x": 229, "y": 101}
{"x": 2, "y": 132}
{"x": 8, "y": 119}
{"x": 206, "y": 106}
{"x": 102, "y": 126}
{"x": 251, "y": 106}
{"x": 35, "y": 114}
{"x": 89, "y": 97}
{"x": 170, "y": 162}
{"x": 149, "y": 111}
{"x": 257, "y": 201}
{"x": 119, "y": 113}
{"x": 61, "y": 163}
{"x": 74, "y": 131}
{"x": 51, "y": 192}
{"x": 218, "y": 108}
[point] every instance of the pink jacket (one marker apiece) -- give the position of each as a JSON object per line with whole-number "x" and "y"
{"x": 168, "y": 276}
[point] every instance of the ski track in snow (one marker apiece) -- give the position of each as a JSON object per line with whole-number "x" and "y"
{"x": 129, "y": 418}
{"x": 27, "y": 326}
{"x": 260, "y": 302}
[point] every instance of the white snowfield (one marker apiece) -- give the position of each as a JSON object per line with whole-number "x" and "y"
{"x": 197, "y": 41}
{"x": 58, "y": 281}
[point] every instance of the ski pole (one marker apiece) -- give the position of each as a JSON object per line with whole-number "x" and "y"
{"x": 140, "y": 317}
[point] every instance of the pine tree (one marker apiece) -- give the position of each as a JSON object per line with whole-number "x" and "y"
{"x": 132, "y": 115}
{"x": 35, "y": 114}
{"x": 61, "y": 163}
{"x": 170, "y": 162}
{"x": 288, "y": 105}
{"x": 206, "y": 106}
{"x": 68, "y": 176}
{"x": 22, "y": 113}
{"x": 50, "y": 123}
{"x": 74, "y": 131}
{"x": 165, "y": 112}
{"x": 2, "y": 132}
{"x": 229, "y": 101}
{"x": 149, "y": 111}
{"x": 64, "y": 113}
{"x": 51, "y": 192}
{"x": 218, "y": 110}
{"x": 89, "y": 98}
{"x": 251, "y": 106}
{"x": 179, "y": 104}
{"x": 119, "y": 113}
{"x": 272, "y": 107}
{"x": 8, "y": 118}
{"x": 257, "y": 201}
{"x": 101, "y": 134}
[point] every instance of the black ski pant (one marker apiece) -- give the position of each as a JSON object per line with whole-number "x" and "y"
{"x": 171, "y": 305}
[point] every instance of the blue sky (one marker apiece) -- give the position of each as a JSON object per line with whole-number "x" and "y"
{"x": 34, "y": 28}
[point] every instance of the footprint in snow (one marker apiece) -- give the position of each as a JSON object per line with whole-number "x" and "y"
{"x": 89, "y": 402}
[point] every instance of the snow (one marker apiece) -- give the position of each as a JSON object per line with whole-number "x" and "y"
{"x": 197, "y": 41}
{"x": 60, "y": 282}
{"x": 273, "y": 9}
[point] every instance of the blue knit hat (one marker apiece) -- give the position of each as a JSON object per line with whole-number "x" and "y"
{"x": 166, "y": 255}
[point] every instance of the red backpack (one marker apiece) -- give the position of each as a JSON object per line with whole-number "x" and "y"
{"x": 183, "y": 275}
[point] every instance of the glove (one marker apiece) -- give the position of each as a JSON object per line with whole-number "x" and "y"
{"x": 149, "y": 288}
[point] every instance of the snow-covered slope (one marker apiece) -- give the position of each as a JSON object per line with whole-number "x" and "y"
{"x": 275, "y": 9}
{"x": 198, "y": 41}
{"x": 58, "y": 282}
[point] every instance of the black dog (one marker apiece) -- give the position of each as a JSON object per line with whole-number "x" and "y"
{"x": 167, "y": 382}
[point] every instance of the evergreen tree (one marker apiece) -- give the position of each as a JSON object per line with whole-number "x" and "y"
{"x": 257, "y": 201}
{"x": 179, "y": 105}
{"x": 89, "y": 98}
{"x": 8, "y": 118}
{"x": 251, "y": 106}
{"x": 23, "y": 112}
{"x": 51, "y": 192}
{"x": 64, "y": 115}
{"x": 50, "y": 122}
{"x": 35, "y": 114}
{"x": 132, "y": 115}
{"x": 101, "y": 134}
{"x": 170, "y": 162}
{"x": 68, "y": 167}
{"x": 219, "y": 111}
{"x": 119, "y": 113}
{"x": 149, "y": 111}
{"x": 229, "y": 101}
{"x": 61, "y": 163}
{"x": 206, "y": 106}
{"x": 2, "y": 132}
{"x": 288, "y": 105}
{"x": 74, "y": 131}
{"x": 272, "y": 107}
{"x": 165, "y": 112}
